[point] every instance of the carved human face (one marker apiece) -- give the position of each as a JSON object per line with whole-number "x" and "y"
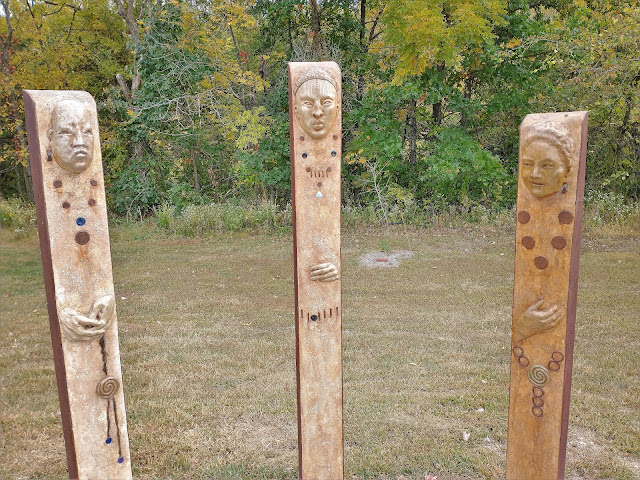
{"x": 543, "y": 168}
{"x": 316, "y": 107}
{"x": 71, "y": 136}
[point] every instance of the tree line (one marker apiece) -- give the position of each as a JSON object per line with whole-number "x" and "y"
{"x": 193, "y": 99}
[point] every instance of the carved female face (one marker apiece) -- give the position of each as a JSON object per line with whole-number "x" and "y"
{"x": 316, "y": 107}
{"x": 71, "y": 136}
{"x": 543, "y": 168}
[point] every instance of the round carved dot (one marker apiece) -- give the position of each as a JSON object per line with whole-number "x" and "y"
{"x": 528, "y": 242}
{"x": 93, "y": 183}
{"x": 57, "y": 183}
{"x": 80, "y": 221}
{"x": 66, "y": 205}
{"x": 334, "y": 153}
{"x": 302, "y": 138}
{"x": 559, "y": 242}
{"x": 304, "y": 155}
{"x": 82, "y": 238}
{"x": 541, "y": 262}
{"x": 308, "y": 169}
{"x": 329, "y": 169}
{"x": 335, "y": 137}
{"x": 92, "y": 202}
{"x": 319, "y": 184}
{"x": 565, "y": 218}
{"x": 524, "y": 217}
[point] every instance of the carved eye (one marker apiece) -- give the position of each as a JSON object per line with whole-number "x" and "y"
{"x": 327, "y": 103}
{"x": 548, "y": 166}
{"x": 527, "y": 163}
{"x": 65, "y": 131}
{"x": 307, "y": 103}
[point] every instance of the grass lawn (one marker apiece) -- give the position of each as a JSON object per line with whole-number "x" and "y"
{"x": 208, "y": 353}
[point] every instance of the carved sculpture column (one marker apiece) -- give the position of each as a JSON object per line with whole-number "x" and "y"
{"x": 315, "y": 129}
{"x": 548, "y": 232}
{"x": 66, "y": 164}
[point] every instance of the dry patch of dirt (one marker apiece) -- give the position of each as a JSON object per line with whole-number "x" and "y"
{"x": 379, "y": 259}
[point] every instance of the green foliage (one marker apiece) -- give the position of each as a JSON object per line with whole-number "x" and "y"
{"x": 457, "y": 170}
{"x": 17, "y": 215}
{"x": 136, "y": 191}
{"x": 197, "y": 220}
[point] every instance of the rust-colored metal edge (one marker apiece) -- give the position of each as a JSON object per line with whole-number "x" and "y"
{"x": 572, "y": 299}
{"x": 30, "y": 113}
{"x": 295, "y": 268}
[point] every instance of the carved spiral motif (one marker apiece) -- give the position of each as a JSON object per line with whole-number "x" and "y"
{"x": 538, "y": 375}
{"x": 107, "y": 387}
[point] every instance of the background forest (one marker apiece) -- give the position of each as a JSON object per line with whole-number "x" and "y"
{"x": 193, "y": 98}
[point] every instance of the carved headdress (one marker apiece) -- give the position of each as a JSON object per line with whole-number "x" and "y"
{"x": 314, "y": 74}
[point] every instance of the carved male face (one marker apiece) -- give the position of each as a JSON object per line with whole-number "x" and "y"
{"x": 71, "y": 136}
{"x": 543, "y": 168}
{"x": 316, "y": 107}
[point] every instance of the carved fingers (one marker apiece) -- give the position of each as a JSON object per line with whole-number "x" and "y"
{"x": 324, "y": 272}
{"x": 78, "y": 327}
{"x": 536, "y": 319}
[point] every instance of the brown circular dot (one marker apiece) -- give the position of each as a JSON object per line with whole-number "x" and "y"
{"x": 65, "y": 205}
{"x": 319, "y": 184}
{"x": 329, "y": 169}
{"x": 565, "y": 218}
{"x": 302, "y": 138}
{"x": 93, "y": 183}
{"x": 308, "y": 169}
{"x": 57, "y": 183}
{"x": 524, "y": 217}
{"x": 92, "y": 202}
{"x": 541, "y": 262}
{"x": 528, "y": 242}
{"x": 82, "y": 238}
{"x": 559, "y": 242}
{"x": 335, "y": 137}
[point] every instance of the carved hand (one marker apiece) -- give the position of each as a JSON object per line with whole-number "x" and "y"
{"x": 537, "y": 320}
{"x": 78, "y": 327}
{"x": 324, "y": 272}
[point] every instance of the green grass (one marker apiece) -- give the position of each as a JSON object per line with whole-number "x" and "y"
{"x": 208, "y": 353}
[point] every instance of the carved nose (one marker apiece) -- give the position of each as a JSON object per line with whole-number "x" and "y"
{"x": 317, "y": 110}
{"x": 536, "y": 172}
{"x": 78, "y": 139}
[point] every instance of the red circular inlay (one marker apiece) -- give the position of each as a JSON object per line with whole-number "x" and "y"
{"x": 559, "y": 242}
{"x": 524, "y": 217}
{"x": 541, "y": 262}
{"x": 565, "y": 218}
{"x": 528, "y": 242}
{"x": 57, "y": 183}
{"x": 82, "y": 238}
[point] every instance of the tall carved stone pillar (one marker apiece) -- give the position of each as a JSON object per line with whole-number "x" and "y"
{"x": 66, "y": 164}
{"x": 548, "y": 232}
{"x": 316, "y": 123}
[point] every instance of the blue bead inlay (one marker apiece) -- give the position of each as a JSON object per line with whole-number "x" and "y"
{"x": 304, "y": 155}
{"x": 80, "y": 221}
{"x": 108, "y": 441}
{"x": 334, "y": 153}
{"x": 121, "y": 460}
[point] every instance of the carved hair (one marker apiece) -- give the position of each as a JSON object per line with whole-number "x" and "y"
{"x": 314, "y": 74}
{"x": 552, "y": 133}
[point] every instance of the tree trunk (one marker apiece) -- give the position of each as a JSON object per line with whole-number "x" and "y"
{"x": 438, "y": 110}
{"x": 412, "y": 124}
{"x": 316, "y": 44}
{"x": 196, "y": 183}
